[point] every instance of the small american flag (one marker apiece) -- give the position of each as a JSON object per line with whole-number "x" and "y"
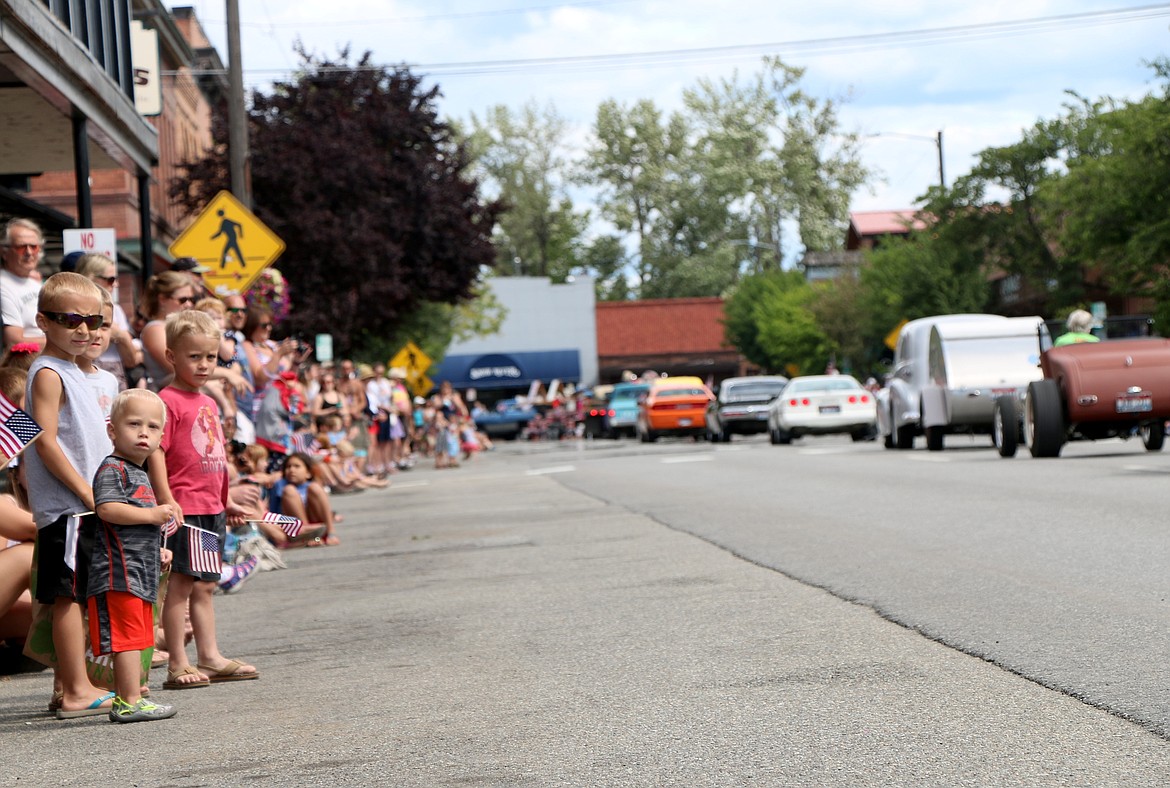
{"x": 290, "y": 525}
{"x": 17, "y": 429}
{"x": 203, "y": 550}
{"x": 171, "y": 527}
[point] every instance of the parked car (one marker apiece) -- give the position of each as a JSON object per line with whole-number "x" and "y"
{"x": 506, "y": 419}
{"x": 674, "y": 406}
{"x": 624, "y": 403}
{"x": 822, "y": 405}
{"x": 741, "y": 406}
{"x": 948, "y": 372}
{"x": 1090, "y": 391}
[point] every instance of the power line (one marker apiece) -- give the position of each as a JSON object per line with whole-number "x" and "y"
{"x": 804, "y": 47}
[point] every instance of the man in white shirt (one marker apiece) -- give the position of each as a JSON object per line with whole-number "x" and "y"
{"x": 21, "y": 249}
{"x": 379, "y": 394}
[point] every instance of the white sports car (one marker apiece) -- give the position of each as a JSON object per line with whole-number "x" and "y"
{"x": 820, "y": 405}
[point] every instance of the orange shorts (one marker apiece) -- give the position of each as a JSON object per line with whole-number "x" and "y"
{"x": 120, "y": 621}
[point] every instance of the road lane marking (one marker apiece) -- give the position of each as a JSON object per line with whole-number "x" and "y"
{"x": 687, "y": 458}
{"x": 1144, "y": 469}
{"x": 551, "y": 469}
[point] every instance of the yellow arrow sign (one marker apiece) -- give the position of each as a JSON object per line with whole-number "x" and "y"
{"x": 228, "y": 240}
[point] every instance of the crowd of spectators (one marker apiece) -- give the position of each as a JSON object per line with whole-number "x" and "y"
{"x": 286, "y": 434}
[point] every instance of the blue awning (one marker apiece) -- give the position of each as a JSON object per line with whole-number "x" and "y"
{"x": 508, "y": 370}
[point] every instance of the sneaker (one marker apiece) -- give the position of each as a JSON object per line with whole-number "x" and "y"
{"x": 240, "y": 573}
{"x": 143, "y": 711}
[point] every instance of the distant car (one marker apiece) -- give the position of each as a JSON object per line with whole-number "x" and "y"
{"x": 624, "y": 402}
{"x": 741, "y": 407}
{"x": 507, "y": 419}
{"x": 821, "y": 405}
{"x": 674, "y": 406}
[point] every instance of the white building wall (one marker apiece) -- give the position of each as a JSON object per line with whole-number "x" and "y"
{"x": 542, "y": 316}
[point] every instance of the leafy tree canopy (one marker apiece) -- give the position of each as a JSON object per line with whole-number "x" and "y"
{"x": 351, "y": 166}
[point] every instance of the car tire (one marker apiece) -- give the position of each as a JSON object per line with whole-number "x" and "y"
{"x": 904, "y": 436}
{"x": 1044, "y": 418}
{"x": 774, "y": 437}
{"x": 783, "y": 437}
{"x": 857, "y": 436}
{"x": 1005, "y": 425}
{"x": 934, "y": 438}
{"x": 1153, "y": 436}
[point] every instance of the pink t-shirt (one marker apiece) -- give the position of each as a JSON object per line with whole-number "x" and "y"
{"x": 194, "y": 447}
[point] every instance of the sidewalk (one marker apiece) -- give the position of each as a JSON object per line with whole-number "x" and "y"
{"x": 482, "y": 626}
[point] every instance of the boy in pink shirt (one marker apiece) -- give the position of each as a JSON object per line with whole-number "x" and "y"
{"x": 195, "y": 479}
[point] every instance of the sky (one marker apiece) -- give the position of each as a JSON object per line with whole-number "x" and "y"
{"x": 981, "y": 73}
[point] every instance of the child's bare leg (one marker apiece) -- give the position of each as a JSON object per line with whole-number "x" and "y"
{"x": 174, "y": 621}
{"x": 127, "y": 675}
{"x": 69, "y": 641}
{"x": 320, "y": 510}
{"x": 203, "y": 620}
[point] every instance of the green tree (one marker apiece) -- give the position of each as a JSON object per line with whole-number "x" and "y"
{"x": 769, "y": 319}
{"x": 1115, "y": 198}
{"x": 708, "y": 190}
{"x": 521, "y": 156}
{"x": 923, "y": 275}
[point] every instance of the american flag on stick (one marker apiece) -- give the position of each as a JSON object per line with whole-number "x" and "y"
{"x": 290, "y": 525}
{"x": 203, "y": 550}
{"x": 17, "y": 429}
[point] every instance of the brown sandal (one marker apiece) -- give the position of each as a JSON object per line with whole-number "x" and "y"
{"x": 173, "y": 683}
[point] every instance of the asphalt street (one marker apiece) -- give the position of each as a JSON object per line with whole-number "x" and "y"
{"x": 503, "y": 624}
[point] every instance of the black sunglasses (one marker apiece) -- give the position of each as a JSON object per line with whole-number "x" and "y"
{"x": 74, "y": 321}
{"x": 109, "y": 280}
{"x": 236, "y": 310}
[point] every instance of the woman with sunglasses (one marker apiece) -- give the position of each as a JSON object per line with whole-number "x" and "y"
{"x": 166, "y": 294}
{"x": 123, "y": 353}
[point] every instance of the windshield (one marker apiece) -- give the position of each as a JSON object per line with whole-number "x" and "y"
{"x": 807, "y": 386}
{"x": 683, "y": 392}
{"x": 627, "y": 394}
{"x": 754, "y": 391}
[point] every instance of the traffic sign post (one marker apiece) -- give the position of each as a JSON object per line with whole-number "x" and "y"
{"x": 231, "y": 242}
{"x": 416, "y": 363}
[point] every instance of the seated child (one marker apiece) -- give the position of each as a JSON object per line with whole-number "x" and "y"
{"x": 297, "y": 495}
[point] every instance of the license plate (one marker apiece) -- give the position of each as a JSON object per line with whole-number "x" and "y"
{"x": 830, "y": 409}
{"x": 1143, "y": 403}
{"x": 762, "y": 416}
{"x": 684, "y": 422}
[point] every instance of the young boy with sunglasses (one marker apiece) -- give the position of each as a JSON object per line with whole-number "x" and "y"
{"x": 59, "y": 467}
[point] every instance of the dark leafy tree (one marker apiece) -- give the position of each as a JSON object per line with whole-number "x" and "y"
{"x": 352, "y": 167}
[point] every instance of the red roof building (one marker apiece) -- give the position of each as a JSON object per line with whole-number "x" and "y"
{"x": 675, "y": 336}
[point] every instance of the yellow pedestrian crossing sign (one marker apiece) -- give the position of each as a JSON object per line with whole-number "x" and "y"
{"x": 231, "y": 243}
{"x": 416, "y": 363}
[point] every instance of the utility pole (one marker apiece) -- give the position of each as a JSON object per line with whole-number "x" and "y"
{"x": 237, "y": 114}
{"x": 942, "y": 178}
